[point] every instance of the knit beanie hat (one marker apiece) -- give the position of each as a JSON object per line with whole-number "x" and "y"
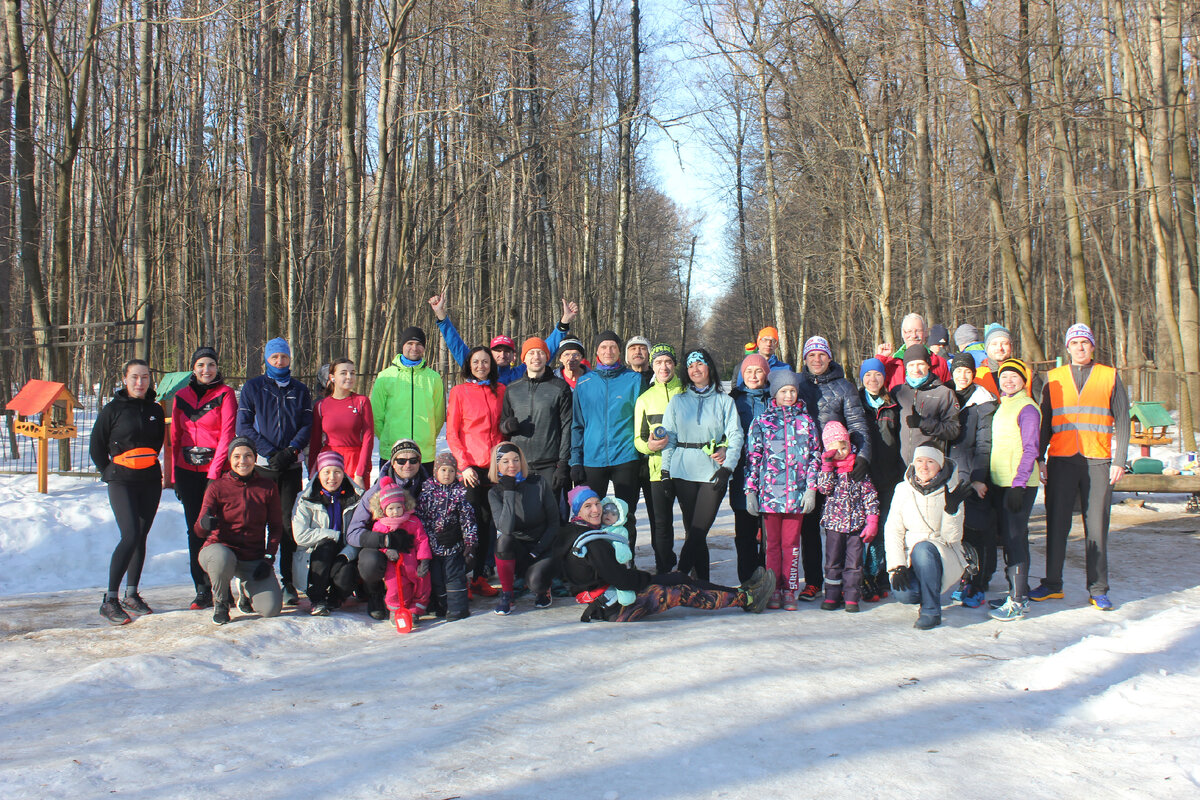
{"x": 405, "y": 446}
{"x": 817, "y": 344}
{"x": 569, "y": 344}
{"x": 642, "y": 340}
{"x": 605, "y": 336}
{"x": 750, "y": 347}
{"x": 939, "y": 335}
{"x": 1077, "y": 331}
{"x": 578, "y": 496}
{"x": 390, "y": 492}
{"x": 276, "y": 345}
{"x": 916, "y": 353}
{"x": 534, "y": 343}
{"x": 1016, "y": 365}
{"x": 993, "y": 331}
{"x": 662, "y": 349}
{"x": 412, "y": 334}
{"x": 241, "y": 441}
{"x": 203, "y": 352}
{"x": 780, "y": 378}
{"x": 871, "y": 365}
{"x": 962, "y": 360}
{"x": 966, "y": 335}
{"x": 754, "y": 359}
{"x": 445, "y": 459}
{"x": 834, "y": 432}
{"x": 330, "y": 458}
{"x": 768, "y": 333}
{"x": 929, "y": 451}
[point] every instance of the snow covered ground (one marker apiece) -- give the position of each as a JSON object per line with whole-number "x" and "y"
{"x": 1068, "y": 703}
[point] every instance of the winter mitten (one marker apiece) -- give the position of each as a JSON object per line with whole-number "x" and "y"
{"x": 829, "y": 461}
{"x": 578, "y": 476}
{"x": 1014, "y": 499}
{"x": 509, "y": 426}
{"x": 871, "y": 529}
{"x": 954, "y": 499}
{"x": 860, "y": 469}
{"x": 899, "y": 578}
{"x": 913, "y": 420}
{"x": 562, "y": 476}
{"x": 392, "y": 555}
{"x": 809, "y": 502}
{"x": 400, "y": 541}
{"x": 209, "y": 522}
{"x": 752, "y": 503}
{"x": 423, "y": 567}
{"x": 263, "y": 570}
{"x": 929, "y": 426}
{"x": 508, "y": 483}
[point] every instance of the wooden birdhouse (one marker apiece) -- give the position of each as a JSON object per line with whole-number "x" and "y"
{"x": 37, "y": 399}
{"x": 1148, "y": 423}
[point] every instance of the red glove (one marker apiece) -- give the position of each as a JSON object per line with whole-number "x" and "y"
{"x": 588, "y": 596}
{"x": 871, "y": 529}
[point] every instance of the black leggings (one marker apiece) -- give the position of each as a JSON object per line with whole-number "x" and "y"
{"x": 190, "y": 486}
{"x": 748, "y": 543}
{"x": 477, "y": 496}
{"x": 288, "y": 481}
{"x": 626, "y": 481}
{"x": 662, "y": 531}
{"x": 331, "y": 577}
{"x": 134, "y": 505}
{"x": 698, "y": 504}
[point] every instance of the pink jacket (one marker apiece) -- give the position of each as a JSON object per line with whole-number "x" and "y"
{"x": 205, "y": 421}
{"x": 410, "y": 523}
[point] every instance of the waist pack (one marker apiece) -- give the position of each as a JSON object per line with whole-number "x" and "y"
{"x": 137, "y": 458}
{"x": 198, "y": 456}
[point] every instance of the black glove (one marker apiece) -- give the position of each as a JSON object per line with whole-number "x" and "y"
{"x": 723, "y": 474}
{"x": 283, "y": 459}
{"x": 860, "y": 468}
{"x": 954, "y": 499}
{"x": 578, "y": 476}
{"x": 913, "y": 420}
{"x": 899, "y": 578}
{"x": 928, "y": 426}
{"x": 507, "y": 483}
{"x": 509, "y": 426}
{"x": 209, "y": 521}
{"x": 1014, "y": 499}
{"x": 469, "y": 562}
{"x": 562, "y": 476}
{"x": 263, "y": 570}
{"x": 400, "y": 541}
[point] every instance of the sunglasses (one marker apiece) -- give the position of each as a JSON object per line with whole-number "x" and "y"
{"x": 409, "y": 460}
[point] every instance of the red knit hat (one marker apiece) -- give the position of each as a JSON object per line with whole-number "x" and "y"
{"x": 534, "y": 343}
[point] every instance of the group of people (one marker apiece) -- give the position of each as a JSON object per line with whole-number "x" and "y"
{"x": 942, "y": 453}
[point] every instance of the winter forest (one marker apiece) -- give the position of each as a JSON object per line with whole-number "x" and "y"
{"x": 316, "y": 170}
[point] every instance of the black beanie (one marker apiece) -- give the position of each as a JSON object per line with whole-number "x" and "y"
{"x": 606, "y": 336}
{"x": 412, "y": 334}
{"x": 203, "y": 352}
{"x": 241, "y": 441}
{"x": 962, "y": 360}
{"x": 917, "y": 352}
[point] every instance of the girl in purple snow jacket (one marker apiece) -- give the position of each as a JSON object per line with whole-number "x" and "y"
{"x": 851, "y": 519}
{"x": 449, "y": 521}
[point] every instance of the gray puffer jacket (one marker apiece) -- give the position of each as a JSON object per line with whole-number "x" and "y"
{"x": 928, "y": 415}
{"x": 831, "y": 396}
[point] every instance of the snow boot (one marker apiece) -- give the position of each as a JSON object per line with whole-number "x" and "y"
{"x": 789, "y": 601}
{"x": 110, "y": 609}
{"x": 376, "y": 607}
{"x": 481, "y": 587}
{"x": 135, "y": 603}
{"x": 756, "y": 592}
{"x": 220, "y": 614}
{"x": 926, "y": 621}
{"x": 776, "y": 601}
{"x": 852, "y": 606}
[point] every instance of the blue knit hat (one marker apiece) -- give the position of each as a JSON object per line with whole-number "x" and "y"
{"x": 578, "y": 496}
{"x": 871, "y": 365}
{"x": 277, "y": 345}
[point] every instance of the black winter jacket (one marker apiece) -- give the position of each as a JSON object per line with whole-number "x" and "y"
{"x": 527, "y": 512}
{"x": 972, "y": 451}
{"x": 542, "y": 409}
{"x": 123, "y": 424}
{"x": 600, "y": 567}
{"x": 830, "y": 396}
{"x": 887, "y": 467}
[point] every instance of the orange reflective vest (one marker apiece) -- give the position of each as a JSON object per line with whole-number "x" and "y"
{"x": 1081, "y": 422}
{"x": 137, "y": 458}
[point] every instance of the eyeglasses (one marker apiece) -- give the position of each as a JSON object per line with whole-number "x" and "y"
{"x": 410, "y": 460}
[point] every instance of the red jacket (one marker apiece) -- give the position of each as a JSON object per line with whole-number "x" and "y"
{"x": 895, "y": 370}
{"x": 249, "y": 519}
{"x": 473, "y": 423}
{"x": 347, "y": 427}
{"x": 203, "y": 420}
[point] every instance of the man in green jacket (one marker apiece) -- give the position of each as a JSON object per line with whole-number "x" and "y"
{"x": 409, "y": 399}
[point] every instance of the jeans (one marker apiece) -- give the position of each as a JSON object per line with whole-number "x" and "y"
{"x": 925, "y": 579}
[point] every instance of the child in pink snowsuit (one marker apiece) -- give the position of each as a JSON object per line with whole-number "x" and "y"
{"x": 850, "y": 520}
{"x": 407, "y": 552}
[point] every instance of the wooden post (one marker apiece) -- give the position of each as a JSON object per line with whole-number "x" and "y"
{"x": 43, "y": 464}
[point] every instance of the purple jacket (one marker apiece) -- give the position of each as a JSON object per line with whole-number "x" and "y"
{"x": 448, "y": 518}
{"x": 848, "y": 502}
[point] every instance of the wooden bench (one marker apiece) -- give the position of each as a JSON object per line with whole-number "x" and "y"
{"x": 1163, "y": 484}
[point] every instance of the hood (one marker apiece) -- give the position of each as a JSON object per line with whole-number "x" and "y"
{"x": 978, "y": 397}
{"x": 946, "y": 478}
{"x": 348, "y": 491}
{"x": 622, "y": 508}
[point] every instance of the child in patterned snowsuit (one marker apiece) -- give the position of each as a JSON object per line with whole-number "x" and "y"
{"x": 449, "y": 521}
{"x": 783, "y": 456}
{"x": 851, "y": 519}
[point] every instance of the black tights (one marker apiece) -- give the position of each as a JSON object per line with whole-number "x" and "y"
{"x": 134, "y": 505}
{"x": 190, "y": 486}
{"x": 698, "y": 504}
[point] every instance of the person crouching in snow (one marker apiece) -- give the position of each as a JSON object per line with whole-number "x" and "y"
{"x": 599, "y": 569}
{"x": 783, "y": 456}
{"x": 449, "y": 522}
{"x": 323, "y": 511}
{"x": 923, "y": 534}
{"x": 526, "y": 516}
{"x": 850, "y": 519}
{"x": 402, "y": 539}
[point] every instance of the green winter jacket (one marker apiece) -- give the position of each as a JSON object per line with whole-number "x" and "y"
{"x": 408, "y": 403}
{"x": 648, "y": 415}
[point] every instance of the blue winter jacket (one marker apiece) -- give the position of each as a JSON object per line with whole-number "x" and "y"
{"x": 459, "y": 350}
{"x": 274, "y": 416}
{"x": 602, "y": 417}
{"x": 749, "y": 404}
{"x": 693, "y": 418}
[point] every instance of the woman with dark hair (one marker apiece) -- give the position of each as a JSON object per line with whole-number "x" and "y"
{"x": 126, "y": 438}
{"x": 202, "y": 423}
{"x": 343, "y": 422}
{"x": 704, "y": 443}
{"x": 472, "y": 430}
{"x": 526, "y": 515}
